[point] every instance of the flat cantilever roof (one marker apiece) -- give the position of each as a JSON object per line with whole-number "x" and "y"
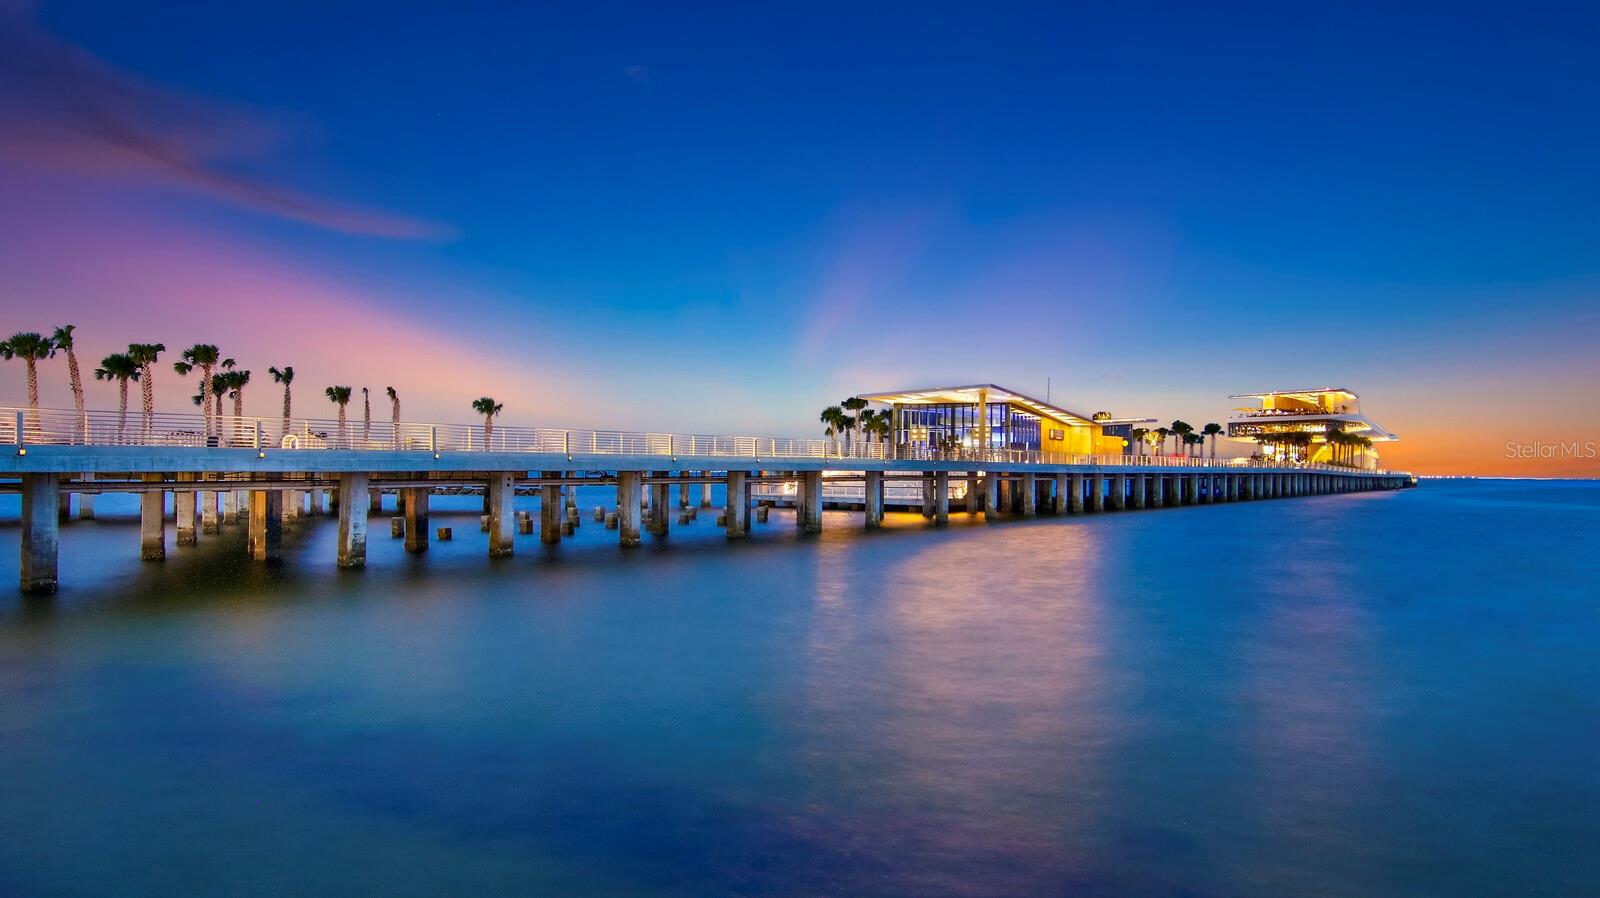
{"x": 969, "y": 393}
{"x": 1316, "y": 392}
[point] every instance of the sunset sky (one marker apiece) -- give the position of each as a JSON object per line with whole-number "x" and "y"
{"x": 644, "y": 217}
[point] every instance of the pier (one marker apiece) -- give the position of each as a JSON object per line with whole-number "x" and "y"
{"x": 265, "y": 471}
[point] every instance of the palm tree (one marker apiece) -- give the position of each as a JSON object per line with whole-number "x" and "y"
{"x": 120, "y": 367}
{"x": 833, "y": 418}
{"x": 339, "y": 396}
{"x": 203, "y": 356}
{"x": 1211, "y": 430}
{"x": 1137, "y": 435}
{"x": 854, "y": 404}
{"x": 1180, "y": 433}
{"x": 488, "y": 408}
{"x": 145, "y": 355}
{"x": 1161, "y": 434}
{"x": 236, "y": 381}
{"x": 366, "y": 417}
{"x": 285, "y": 376}
{"x": 62, "y": 339}
{"x": 30, "y": 347}
{"x": 394, "y": 415}
{"x": 1193, "y": 441}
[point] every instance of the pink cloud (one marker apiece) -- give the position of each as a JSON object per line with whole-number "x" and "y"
{"x": 62, "y": 109}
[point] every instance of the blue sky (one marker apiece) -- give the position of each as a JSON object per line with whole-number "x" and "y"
{"x": 724, "y": 217}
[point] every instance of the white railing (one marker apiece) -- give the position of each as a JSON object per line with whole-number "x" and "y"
{"x": 64, "y": 427}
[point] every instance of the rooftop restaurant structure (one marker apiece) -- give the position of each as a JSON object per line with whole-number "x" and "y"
{"x": 1319, "y": 413}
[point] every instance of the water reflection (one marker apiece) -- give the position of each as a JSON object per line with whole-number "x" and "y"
{"x": 1352, "y": 695}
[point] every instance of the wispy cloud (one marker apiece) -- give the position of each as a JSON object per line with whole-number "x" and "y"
{"x": 638, "y": 74}
{"x": 63, "y": 109}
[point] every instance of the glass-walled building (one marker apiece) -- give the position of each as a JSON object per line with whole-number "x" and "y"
{"x": 988, "y": 416}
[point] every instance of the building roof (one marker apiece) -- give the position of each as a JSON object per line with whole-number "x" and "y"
{"x": 969, "y": 394}
{"x": 1319, "y": 391}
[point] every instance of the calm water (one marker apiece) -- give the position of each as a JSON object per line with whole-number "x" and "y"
{"x": 1385, "y": 694}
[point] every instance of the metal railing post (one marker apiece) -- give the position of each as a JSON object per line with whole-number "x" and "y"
{"x": 433, "y": 438}
{"x": 258, "y": 435}
{"x": 19, "y": 433}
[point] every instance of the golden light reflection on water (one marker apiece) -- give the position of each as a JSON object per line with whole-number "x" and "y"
{"x": 988, "y": 646}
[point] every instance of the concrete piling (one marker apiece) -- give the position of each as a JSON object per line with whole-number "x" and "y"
{"x": 550, "y": 509}
{"x": 152, "y": 521}
{"x": 185, "y": 506}
{"x": 808, "y": 513}
{"x": 872, "y": 503}
{"x": 40, "y": 533}
{"x": 353, "y": 520}
{"x": 502, "y": 490}
{"x": 738, "y": 505}
{"x": 265, "y": 539}
{"x": 416, "y": 519}
{"x": 629, "y": 489}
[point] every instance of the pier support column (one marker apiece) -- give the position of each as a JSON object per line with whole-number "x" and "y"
{"x": 1138, "y": 490}
{"x": 152, "y": 521}
{"x": 41, "y": 532}
{"x": 417, "y": 519}
{"x": 86, "y": 500}
{"x": 1030, "y": 495}
{"x": 991, "y": 495}
{"x": 316, "y": 502}
{"x": 941, "y": 498}
{"x": 974, "y": 492}
{"x": 683, "y": 494}
{"x": 1155, "y": 491}
{"x": 927, "y": 494}
{"x": 1119, "y": 492}
{"x": 502, "y": 489}
{"x": 873, "y": 501}
{"x": 210, "y": 509}
{"x": 1075, "y": 493}
{"x": 1060, "y": 503}
{"x": 736, "y": 509}
{"x": 659, "y": 497}
{"x": 265, "y": 540}
{"x": 550, "y": 508}
{"x": 1191, "y": 489}
{"x": 630, "y": 491}
{"x": 352, "y": 520}
{"x": 629, "y": 495}
{"x": 1097, "y": 492}
{"x": 811, "y": 492}
{"x": 705, "y": 492}
{"x": 184, "y": 507}
{"x": 230, "y": 507}
{"x": 374, "y": 500}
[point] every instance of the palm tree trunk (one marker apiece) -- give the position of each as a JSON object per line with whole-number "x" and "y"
{"x": 75, "y": 378}
{"x": 342, "y": 439}
{"x": 205, "y": 397}
{"x": 33, "y": 384}
{"x": 488, "y": 431}
{"x": 122, "y": 407}
{"x": 147, "y": 395}
{"x": 285, "y": 412}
